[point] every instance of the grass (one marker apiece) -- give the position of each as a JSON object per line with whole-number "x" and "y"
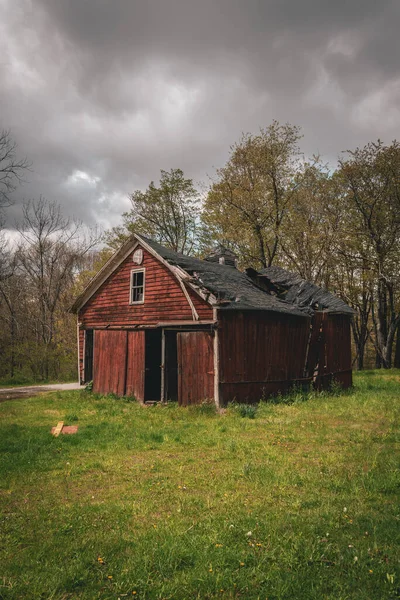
{"x": 294, "y": 501}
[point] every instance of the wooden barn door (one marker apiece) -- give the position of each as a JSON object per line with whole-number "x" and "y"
{"x": 135, "y": 365}
{"x": 109, "y": 362}
{"x": 118, "y": 366}
{"x": 195, "y": 367}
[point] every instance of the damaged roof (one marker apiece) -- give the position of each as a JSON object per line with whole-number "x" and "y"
{"x": 302, "y": 293}
{"x": 272, "y": 289}
{"x": 233, "y": 289}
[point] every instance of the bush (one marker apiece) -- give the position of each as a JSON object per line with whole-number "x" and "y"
{"x": 246, "y": 411}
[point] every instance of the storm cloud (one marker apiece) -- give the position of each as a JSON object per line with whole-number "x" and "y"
{"x": 101, "y": 95}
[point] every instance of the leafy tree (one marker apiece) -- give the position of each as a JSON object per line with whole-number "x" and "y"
{"x": 168, "y": 213}
{"x": 309, "y": 234}
{"x": 249, "y": 201}
{"x": 371, "y": 176}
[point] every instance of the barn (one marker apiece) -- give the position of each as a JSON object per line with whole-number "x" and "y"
{"x": 161, "y": 326}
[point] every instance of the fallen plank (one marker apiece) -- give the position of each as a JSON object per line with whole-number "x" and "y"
{"x": 57, "y": 430}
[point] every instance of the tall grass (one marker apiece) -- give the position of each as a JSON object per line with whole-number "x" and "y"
{"x": 299, "y": 502}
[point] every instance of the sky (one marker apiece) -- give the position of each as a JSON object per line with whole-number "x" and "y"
{"x": 101, "y": 95}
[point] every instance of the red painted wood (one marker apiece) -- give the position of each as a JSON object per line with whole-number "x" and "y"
{"x": 195, "y": 367}
{"x": 260, "y": 353}
{"x": 164, "y": 298}
{"x": 109, "y": 362}
{"x": 135, "y": 365}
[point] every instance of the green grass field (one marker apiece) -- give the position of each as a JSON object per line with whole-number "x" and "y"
{"x": 299, "y": 502}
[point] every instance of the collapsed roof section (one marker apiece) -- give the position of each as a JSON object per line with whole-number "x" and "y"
{"x": 301, "y": 293}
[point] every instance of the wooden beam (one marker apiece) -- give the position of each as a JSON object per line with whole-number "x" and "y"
{"x": 216, "y": 362}
{"x": 58, "y": 428}
{"x": 162, "y": 365}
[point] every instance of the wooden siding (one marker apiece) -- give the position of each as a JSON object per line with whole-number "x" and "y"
{"x": 135, "y": 364}
{"x": 119, "y": 363}
{"x": 164, "y": 298}
{"x": 260, "y": 354}
{"x": 332, "y": 349}
{"x": 195, "y": 367}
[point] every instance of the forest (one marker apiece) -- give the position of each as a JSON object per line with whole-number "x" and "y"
{"x": 337, "y": 226}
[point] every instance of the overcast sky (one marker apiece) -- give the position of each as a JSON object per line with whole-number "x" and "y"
{"x": 102, "y": 94}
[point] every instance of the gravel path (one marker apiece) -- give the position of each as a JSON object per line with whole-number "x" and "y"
{"x": 33, "y": 390}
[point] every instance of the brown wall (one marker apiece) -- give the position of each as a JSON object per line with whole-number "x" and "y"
{"x": 195, "y": 367}
{"x": 260, "y": 353}
{"x": 164, "y": 299}
{"x": 331, "y": 350}
{"x": 119, "y": 363}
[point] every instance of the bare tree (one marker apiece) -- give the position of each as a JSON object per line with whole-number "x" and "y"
{"x": 52, "y": 250}
{"x": 12, "y": 168}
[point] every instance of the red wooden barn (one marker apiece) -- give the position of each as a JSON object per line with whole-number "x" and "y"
{"x": 159, "y": 325}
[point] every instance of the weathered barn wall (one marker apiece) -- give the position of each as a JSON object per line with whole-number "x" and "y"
{"x": 164, "y": 298}
{"x": 195, "y": 367}
{"x": 119, "y": 363}
{"x": 332, "y": 350}
{"x": 260, "y": 353}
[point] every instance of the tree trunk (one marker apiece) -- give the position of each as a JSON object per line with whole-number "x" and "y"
{"x": 261, "y": 248}
{"x": 12, "y": 340}
{"x": 397, "y": 349}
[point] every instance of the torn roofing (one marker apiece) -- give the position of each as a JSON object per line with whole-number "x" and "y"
{"x": 302, "y": 293}
{"x": 233, "y": 289}
{"x": 272, "y": 289}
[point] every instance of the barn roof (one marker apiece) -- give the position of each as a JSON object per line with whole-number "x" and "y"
{"x": 233, "y": 289}
{"x": 226, "y": 287}
{"x": 302, "y": 293}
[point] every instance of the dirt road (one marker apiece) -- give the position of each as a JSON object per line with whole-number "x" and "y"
{"x": 34, "y": 390}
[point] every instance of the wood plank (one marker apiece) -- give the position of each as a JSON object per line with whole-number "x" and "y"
{"x": 195, "y": 367}
{"x": 135, "y": 365}
{"x": 58, "y": 428}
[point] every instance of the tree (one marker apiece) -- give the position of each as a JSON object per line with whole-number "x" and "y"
{"x": 11, "y": 167}
{"x": 371, "y": 176}
{"x": 51, "y": 253}
{"x": 309, "y": 234}
{"x": 249, "y": 201}
{"x": 168, "y": 213}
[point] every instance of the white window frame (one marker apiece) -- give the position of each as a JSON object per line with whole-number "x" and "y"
{"x": 131, "y": 286}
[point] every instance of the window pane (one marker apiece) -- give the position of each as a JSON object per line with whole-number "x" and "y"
{"x": 137, "y": 292}
{"x": 138, "y": 279}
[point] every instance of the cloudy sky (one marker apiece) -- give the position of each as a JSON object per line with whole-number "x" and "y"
{"x": 102, "y": 94}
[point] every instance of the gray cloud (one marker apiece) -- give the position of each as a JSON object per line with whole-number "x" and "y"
{"x": 102, "y": 95}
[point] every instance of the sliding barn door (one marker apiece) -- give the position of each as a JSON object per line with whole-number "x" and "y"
{"x": 195, "y": 367}
{"x": 109, "y": 362}
{"x": 118, "y": 366}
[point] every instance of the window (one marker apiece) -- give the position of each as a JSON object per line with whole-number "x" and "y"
{"x": 137, "y": 287}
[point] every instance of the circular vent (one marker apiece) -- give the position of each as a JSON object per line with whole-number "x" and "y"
{"x": 137, "y": 256}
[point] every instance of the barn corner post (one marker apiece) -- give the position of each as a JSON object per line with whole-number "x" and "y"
{"x": 216, "y": 360}
{"x": 162, "y": 399}
{"x": 79, "y": 349}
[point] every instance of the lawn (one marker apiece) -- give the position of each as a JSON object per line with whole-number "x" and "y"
{"x": 299, "y": 502}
